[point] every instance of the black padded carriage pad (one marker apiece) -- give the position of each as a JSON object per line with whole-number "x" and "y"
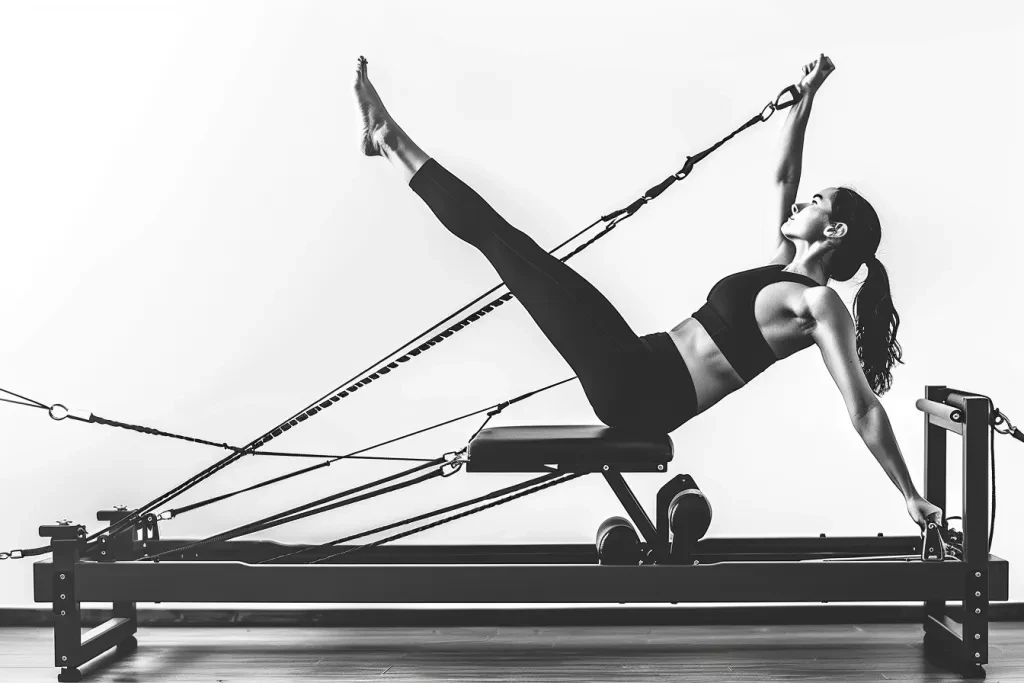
{"x": 567, "y": 448}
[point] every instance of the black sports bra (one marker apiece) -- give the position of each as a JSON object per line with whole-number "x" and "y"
{"x": 728, "y": 316}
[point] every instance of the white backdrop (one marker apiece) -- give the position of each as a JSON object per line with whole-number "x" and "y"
{"x": 193, "y": 242}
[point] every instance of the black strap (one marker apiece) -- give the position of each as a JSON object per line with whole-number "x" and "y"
{"x": 561, "y": 479}
{"x": 310, "y": 509}
{"x": 418, "y": 518}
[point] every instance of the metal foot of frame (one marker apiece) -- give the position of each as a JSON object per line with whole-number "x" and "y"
{"x": 128, "y": 646}
{"x": 938, "y": 652}
{"x": 69, "y": 676}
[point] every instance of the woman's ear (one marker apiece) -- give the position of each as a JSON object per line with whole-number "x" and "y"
{"x": 836, "y": 230}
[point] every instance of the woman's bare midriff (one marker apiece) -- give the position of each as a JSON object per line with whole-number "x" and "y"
{"x": 785, "y": 324}
{"x": 713, "y": 376}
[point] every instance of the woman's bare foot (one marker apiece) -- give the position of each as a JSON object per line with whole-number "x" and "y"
{"x": 381, "y": 135}
{"x": 379, "y": 129}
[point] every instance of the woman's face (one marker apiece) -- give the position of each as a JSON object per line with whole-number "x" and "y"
{"x": 809, "y": 219}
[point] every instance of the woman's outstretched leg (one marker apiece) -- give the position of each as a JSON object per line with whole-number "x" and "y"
{"x": 586, "y": 329}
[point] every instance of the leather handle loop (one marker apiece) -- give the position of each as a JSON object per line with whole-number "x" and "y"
{"x": 795, "y": 96}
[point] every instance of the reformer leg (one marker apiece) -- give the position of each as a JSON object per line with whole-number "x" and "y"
{"x": 962, "y": 646}
{"x": 67, "y": 616}
{"x": 934, "y": 485}
{"x": 121, "y": 548}
{"x": 71, "y": 649}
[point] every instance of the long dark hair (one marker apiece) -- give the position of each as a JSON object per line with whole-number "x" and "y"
{"x": 874, "y": 314}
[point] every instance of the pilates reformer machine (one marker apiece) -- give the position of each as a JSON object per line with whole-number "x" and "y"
{"x": 634, "y": 559}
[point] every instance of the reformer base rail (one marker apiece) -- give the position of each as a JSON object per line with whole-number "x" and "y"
{"x": 722, "y": 570}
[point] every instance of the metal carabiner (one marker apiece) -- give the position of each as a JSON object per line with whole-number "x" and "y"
{"x": 453, "y": 462}
{"x": 1002, "y": 424}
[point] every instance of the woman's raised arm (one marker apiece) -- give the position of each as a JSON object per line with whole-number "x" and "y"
{"x": 791, "y": 144}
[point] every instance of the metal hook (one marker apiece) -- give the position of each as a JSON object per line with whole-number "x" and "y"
{"x": 1001, "y": 423}
{"x": 453, "y": 462}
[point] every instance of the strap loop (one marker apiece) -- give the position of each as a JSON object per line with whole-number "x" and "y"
{"x": 794, "y": 95}
{"x": 59, "y": 411}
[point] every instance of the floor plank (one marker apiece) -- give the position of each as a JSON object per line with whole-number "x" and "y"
{"x": 849, "y": 652}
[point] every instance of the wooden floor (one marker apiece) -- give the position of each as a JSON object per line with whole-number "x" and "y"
{"x": 869, "y": 652}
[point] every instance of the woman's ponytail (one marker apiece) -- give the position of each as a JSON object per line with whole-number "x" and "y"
{"x": 875, "y": 316}
{"x": 877, "y": 323}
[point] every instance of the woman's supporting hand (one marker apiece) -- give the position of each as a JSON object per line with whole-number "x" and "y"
{"x": 815, "y": 74}
{"x": 922, "y": 512}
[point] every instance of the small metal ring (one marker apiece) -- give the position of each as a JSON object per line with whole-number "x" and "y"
{"x": 770, "y": 109}
{"x": 63, "y": 407}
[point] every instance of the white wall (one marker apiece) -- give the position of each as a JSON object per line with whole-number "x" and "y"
{"x": 193, "y": 242}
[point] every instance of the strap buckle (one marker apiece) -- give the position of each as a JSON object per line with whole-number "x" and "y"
{"x": 686, "y": 169}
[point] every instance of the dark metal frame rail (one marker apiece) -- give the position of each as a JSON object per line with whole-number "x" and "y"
{"x": 812, "y": 569}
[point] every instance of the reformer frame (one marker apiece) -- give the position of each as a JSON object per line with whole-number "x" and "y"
{"x": 749, "y": 570}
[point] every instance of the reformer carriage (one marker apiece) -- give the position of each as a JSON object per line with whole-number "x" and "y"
{"x": 633, "y": 561}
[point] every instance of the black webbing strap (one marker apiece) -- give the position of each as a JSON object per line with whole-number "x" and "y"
{"x": 310, "y": 509}
{"x": 418, "y": 518}
{"x": 540, "y": 487}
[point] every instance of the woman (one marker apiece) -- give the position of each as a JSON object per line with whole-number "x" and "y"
{"x": 659, "y": 381}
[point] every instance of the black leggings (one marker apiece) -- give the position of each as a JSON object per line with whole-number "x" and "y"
{"x": 637, "y": 383}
